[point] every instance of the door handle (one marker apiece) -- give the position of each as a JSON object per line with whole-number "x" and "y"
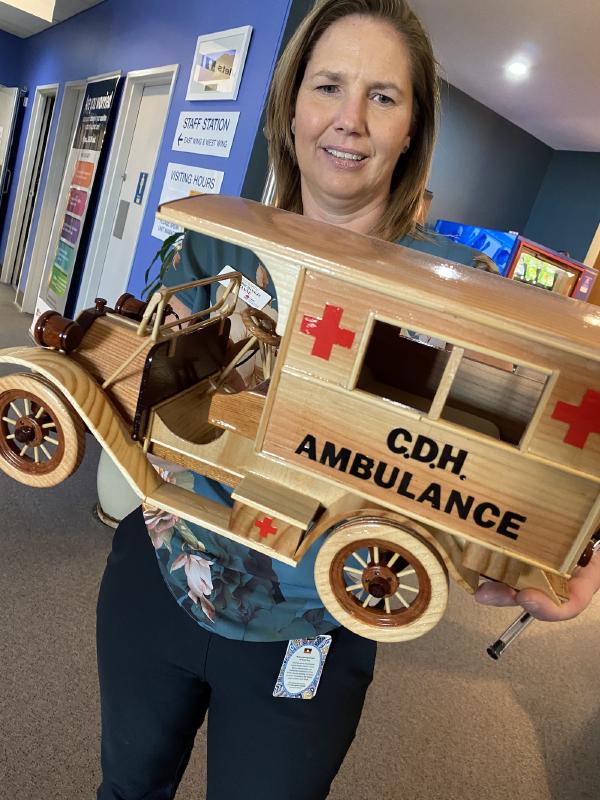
{"x": 7, "y": 181}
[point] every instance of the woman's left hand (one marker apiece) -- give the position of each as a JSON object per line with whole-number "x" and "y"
{"x": 584, "y": 583}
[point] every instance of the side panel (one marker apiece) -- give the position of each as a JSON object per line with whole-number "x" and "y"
{"x": 522, "y": 507}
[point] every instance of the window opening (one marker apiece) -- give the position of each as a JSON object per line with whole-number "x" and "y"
{"x": 403, "y": 366}
{"x": 494, "y": 397}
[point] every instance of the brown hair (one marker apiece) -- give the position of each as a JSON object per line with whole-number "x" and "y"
{"x": 412, "y": 170}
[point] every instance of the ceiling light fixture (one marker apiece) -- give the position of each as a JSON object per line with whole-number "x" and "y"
{"x": 43, "y": 9}
{"x": 517, "y": 69}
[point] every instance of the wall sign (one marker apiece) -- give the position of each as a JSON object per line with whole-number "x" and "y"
{"x": 88, "y": 143}
{"x": 182, "y": 180}
{"x": 206, "y": 133}
{"x": 218, "y": 64}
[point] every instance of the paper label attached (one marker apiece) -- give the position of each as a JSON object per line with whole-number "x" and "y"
{"x": 302, "y": 668}
{"x": 250, "y": 293}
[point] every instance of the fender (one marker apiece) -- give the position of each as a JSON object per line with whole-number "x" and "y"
{"x": 96, "y": 410}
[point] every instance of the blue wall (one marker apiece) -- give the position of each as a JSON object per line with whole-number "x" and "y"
{"x": 127, "y": 35}
{"x": 10, "y": 59}
{"x": 566, "y": 213}
{"x": 486, "y": 171}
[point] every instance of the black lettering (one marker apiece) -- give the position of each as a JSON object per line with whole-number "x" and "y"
{"x": 404, "y": 484}
{"x": 479, "y": 512}
{"x": 425, "y": 449}
{"x": 398, "y": 433}
{"x": 449, "y": 456}
{"x": 331, "y": 458}
{"x": 456, "y": 502}
{"x": 380, "y": 473}
{"x": 509, "y": 520}
{"x": 362, "y": 467}
{"x": 432, "y": 494}
{"x": 309, "y": 446}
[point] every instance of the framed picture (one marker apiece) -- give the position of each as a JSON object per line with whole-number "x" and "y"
{"x": 218, "y": 64}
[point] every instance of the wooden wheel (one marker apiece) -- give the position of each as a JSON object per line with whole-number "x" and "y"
{"x": 381, "y": 579}
{"x": 42, "y": 442}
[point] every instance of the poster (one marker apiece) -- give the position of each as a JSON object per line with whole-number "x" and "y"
{"x": 83, "y": 161}
{"x": 206, "y": 133}
{"x": 218, "y": 64}
{"x": 182, "y": 180}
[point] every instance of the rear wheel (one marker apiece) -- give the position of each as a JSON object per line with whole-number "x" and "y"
{"x": 42, "y": 441}
{"x": 382, "y": 580}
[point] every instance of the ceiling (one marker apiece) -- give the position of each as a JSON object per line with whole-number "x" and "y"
{"x": 21, "y": 24}
{"x": 560, "y": 102}
{"x": 473, "y": 40}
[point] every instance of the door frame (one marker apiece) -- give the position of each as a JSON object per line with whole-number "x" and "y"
{"x": 25, "y": 174}
{"x": 70, "y": 108}
{"x": 135, "y": 83}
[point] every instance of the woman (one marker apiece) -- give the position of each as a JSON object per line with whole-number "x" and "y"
{"x": 351, "y": 121}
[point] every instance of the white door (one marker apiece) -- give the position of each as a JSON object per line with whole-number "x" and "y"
{"x": 134, "y": 192}
{"x": 9, "y": 103}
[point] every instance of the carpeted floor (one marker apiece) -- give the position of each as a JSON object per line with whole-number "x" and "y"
{"x": 442, "y": 721}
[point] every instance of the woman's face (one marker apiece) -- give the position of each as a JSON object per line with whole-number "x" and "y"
{"x": 353, "y": 115}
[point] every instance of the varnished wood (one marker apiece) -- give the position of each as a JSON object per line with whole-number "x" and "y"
{"x": 270, "y": 496}
{"x": 281, "y": 238}
{"x": 94, "y": 408}
{"x": 371, "y": 624}
{"x": 239, "y": 412}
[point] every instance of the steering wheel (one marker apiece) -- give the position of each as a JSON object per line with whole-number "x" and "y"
{"x": 261, "y": 325}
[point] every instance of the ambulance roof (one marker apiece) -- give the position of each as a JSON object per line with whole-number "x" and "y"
{"x": 427, "y": 280}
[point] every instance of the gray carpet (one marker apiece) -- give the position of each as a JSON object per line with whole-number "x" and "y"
{"x": 442, "y": 721}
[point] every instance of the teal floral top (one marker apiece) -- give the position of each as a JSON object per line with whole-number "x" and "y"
{"x": 226, "y": 587}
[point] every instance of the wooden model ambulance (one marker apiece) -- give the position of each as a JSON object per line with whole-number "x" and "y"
{"x": 430, "y": 419}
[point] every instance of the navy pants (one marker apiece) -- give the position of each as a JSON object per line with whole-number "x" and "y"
{"x": 160, "y": 673}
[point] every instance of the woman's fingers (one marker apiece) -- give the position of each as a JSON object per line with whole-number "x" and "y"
{"x": 582, "y": 587}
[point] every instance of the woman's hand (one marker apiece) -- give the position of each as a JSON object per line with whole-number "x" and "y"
{"x": 584, "y": 583}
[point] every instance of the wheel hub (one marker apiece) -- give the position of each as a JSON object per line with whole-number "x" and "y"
{"x": 380, "y": 581}
{"x": 28, "y": 431}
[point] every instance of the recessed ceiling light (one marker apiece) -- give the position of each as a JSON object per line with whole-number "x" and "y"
{"x": 517, "y": 69}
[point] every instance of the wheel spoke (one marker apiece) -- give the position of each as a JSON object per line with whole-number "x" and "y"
{"x": 10, "y": 436}
{"x": 393, "y": 559}
{"x": 50, "y": 439}
{"x": 367, "y": 599}
{"x": 49, "y": 425}
{"x": 39, "y": 413}
{"x": 360, "y": 560}
{"x": 16, "y": 410}
{"x": 24, "y": 449}
{"x": 9, "y": 420}
{"x": 27, "y": 407}
{"x": 402, "y": 600}
{"x": 408, "y": 588}
{"x": 354, "y": 587}
{"x": 406, "y": 571}
{"x": 44, "y": 450}
{"x": 375, "y": 555}
{"x": 353, "y": 570}
{"x": 36, "y": 454}
{"x": 388, "y": 605}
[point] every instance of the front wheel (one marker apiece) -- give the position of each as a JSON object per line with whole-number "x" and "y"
{"x": 382, "y": 580}
{"x": 42, "y": 441}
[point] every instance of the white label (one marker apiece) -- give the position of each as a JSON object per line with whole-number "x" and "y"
{"x": 250, "y": 293}
{"x": 208, "y": 133}
{"x": 182, "y": 180}
{"x": 301, "y": 669}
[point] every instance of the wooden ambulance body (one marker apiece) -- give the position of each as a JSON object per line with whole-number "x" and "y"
{"x": 502, "y": 447}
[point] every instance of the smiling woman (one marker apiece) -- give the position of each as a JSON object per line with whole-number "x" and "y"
{"x": 351, "y": 122}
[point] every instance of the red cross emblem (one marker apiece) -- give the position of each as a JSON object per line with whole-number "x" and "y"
{"x": 327, "y": 331}
{"x": 265, "y": 527}
{"x": 582, "y": 419}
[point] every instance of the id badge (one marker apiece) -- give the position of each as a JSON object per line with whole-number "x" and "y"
{"x": 302, "y": 667}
